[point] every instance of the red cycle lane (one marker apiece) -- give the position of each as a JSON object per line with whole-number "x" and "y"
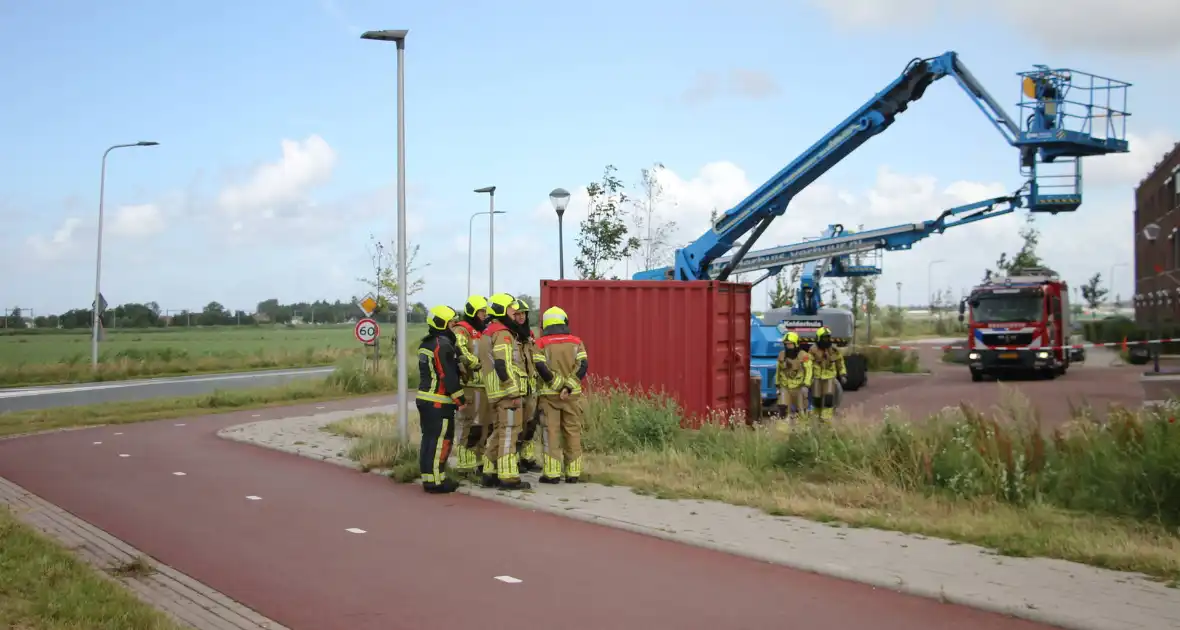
{"x": 321, "y": 547}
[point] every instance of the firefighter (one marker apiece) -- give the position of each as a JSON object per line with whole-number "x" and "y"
{"x": 828, "y": 366}
{"x": 562, "y": 363}
{"x": 793, "y": 377}
{"x": 469, "y": 426}
{"x": 525, "y": 447}
{"x": 504, "y": 382}
{"x": 440, "y": 395}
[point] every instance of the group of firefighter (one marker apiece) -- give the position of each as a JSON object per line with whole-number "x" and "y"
{"x": 809, "y": 375}
{"x": 487, "y": 383}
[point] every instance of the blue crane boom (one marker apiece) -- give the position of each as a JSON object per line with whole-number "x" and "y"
{"x": 1046, "y": 136}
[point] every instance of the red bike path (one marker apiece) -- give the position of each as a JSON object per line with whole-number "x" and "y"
{"x": 270, "y": 530}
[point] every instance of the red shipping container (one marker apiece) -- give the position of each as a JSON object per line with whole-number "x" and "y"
{"x": 690, "y": 339}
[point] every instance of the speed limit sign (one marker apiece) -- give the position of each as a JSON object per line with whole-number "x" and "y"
{"x": 366, "y": 331}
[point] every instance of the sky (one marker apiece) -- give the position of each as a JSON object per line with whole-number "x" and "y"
{"x": 278, "y": 146}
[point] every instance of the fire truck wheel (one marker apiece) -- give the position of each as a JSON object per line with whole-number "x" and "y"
{"x": 976, "y": 376}
{"x": 857, "y": 366}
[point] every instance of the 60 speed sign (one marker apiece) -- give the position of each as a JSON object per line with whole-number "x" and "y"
{"x": 366, "y": 331}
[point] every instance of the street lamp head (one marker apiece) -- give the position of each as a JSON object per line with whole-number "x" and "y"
{"x": 398, "y": 36}
{"x": 500, "y": 212}
{"x": 491, "y": 190}
{"x": 146, "y": 143}
{"x": 1151, "y": 231}
{"x": 560, "y": 198}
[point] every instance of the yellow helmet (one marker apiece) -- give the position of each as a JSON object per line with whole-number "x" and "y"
{"x": 554, "y": 315}
{"x": 474, "y": 304}
{"x": 520, "y": 304}
{"x": 791, "y": 337}
{"x": 499, "y": 304}
{"x": 823, "y": 331}
{"x": 441, "y": 316}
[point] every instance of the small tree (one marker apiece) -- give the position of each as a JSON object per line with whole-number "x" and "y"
{"x": 603, "y": 238}
{"x": 1026, "y": 256}
{"x": 653, "y": 234}
{"x": 1093, "y": 293}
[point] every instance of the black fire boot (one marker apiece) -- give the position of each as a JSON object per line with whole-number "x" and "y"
{"x": 545, "y": 479}
{"x": 443, "y": 487}
{"x": 489, "y": 481}
{"x": 572, "y": 480}
{"x": 515, "y": 485}
{"x": 528, "y": 465}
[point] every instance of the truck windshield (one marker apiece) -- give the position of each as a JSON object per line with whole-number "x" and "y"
{"x": 1007, "y": 308}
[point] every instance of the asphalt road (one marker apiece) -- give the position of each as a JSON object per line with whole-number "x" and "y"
{"x": 26, "y": 398}
{"x": 312, "y": 545}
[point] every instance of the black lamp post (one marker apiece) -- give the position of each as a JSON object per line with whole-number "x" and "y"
{"x": 560, "y": 198}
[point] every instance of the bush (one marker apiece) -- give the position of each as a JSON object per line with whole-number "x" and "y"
{"x": 889, "y": 360}
{"x": 1128, "y": 466}
{"x": 357, "y": 376}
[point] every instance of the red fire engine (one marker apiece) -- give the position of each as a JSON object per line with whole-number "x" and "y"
{"x": 1018, "y": 323}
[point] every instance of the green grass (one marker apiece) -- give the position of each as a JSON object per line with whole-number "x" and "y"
{"x": 1105, "y": 494}
{"x": 64, "y": 356}
{"x": 44, "y": 587}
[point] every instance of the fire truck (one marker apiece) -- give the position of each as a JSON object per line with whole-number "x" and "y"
{"x": 1018, "y": 323}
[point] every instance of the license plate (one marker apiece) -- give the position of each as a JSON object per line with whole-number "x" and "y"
{"x": 1009, "y": 355}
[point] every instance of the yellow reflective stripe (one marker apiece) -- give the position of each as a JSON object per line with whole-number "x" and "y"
{"x": 457, "y": 394}
{"x": 539, "y": 358}
{"x": 439, "y": 398}
{"x": 581, "y": 355}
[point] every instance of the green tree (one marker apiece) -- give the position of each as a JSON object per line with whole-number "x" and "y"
{"x": 383, "y": 282}
{"x": 603, "y": 238}
{"x": 654, "y": 235}
{"x": 780, "y": 295}
{"x": 1026, "y": 256}
{"x": 1093, "y": 293}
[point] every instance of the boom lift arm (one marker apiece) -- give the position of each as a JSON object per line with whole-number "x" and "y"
{"x": 1046, "y": 137}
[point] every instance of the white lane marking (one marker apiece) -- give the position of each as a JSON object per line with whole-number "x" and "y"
{"x": 376, "y": 400}
{"x": 124, "y": 455}
{"x": 97, "y": 443}
{"x": 509, "y": 579}
{"x": 255, "y": 415}
{"x": 119, "y": 433}
{"x": 180, "y": 424}
{"x": 178, "y": 474}
{"x": 253, "y": 498}
{"x": 319, "y": 407}
{"x": 355, "y": 530}
{"x": 21, "y": 393}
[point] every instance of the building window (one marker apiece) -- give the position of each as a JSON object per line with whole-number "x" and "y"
{"x": 1175, "y": 249}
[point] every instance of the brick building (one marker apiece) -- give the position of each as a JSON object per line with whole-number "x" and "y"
{"x": 1157, "y": 262}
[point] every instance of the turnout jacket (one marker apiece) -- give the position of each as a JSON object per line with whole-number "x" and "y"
{"x": 794, "y": 373}
{"x": 502, "y": 363}
{"x": 466, "y": 337}
{"x": 561, "y": 360}
{"x": 828, "y": 363}
{"x": 438, "y": 372}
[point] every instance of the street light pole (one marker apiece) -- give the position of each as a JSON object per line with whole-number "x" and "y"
{"x": 491, "y": 191}
{"x": 470, "y": 223}
{"x": 899, "y": 298}
{"x": 930, "y": 283}
{"x": 403, "y": 401}
{"x": 560, "y": 198}
{"x": 1110, "y": 278}
{"x": 96, "y": 314}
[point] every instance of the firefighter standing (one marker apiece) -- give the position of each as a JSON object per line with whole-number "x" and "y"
{"x": 440, "y": 395}
{"x": 525, "y": 447}
{"x": 828, "y": 367}
{"x": 470, "y": 423}
{"x": 562, "y": 363}
{"x": 505, "y": 382}
{"x": 792, "y": 377}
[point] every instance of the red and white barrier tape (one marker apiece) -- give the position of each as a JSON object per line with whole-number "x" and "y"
{"x": 1076, "y": 346}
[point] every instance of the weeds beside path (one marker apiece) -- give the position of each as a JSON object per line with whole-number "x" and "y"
{"x": 1104, "y": 494}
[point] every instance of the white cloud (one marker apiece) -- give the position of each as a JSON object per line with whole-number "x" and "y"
{"x": 138, "y": 221}
{"x": 743, "y": 83}
{"x": 1131, "y": 28}
{"x": 58, "y": 244}
{"x": 1128, "y": 169}
{"x": 276, "y": 196}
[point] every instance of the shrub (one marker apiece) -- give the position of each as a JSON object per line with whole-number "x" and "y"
{"x": 890, "y": 360}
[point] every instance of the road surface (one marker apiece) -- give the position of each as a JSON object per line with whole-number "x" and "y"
{"x": 25, "y": 398}
{"x": 321, "y": 547}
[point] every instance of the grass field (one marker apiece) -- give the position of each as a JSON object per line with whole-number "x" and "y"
{"x": 60, "y": 356}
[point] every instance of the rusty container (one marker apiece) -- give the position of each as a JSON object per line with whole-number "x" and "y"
{"x": 689, "y": 339}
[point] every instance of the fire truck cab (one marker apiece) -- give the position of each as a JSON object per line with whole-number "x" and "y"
{"x": 1018, "y": 324}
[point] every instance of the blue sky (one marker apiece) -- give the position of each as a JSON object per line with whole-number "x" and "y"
{"x": 526, "y": 96}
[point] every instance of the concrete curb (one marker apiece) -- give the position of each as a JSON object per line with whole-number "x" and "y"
{"x": 1019, "y": 610}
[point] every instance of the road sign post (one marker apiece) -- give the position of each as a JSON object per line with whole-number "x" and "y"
{"x": 367, "y": 331}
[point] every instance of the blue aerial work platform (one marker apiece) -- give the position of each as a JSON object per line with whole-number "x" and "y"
{"x": 1065, "y": 115}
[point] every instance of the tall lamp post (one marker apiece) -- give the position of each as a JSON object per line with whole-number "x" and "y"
{"x": 929, "y": 281}
{"x": 1110, "y": 278}
{"x": 470, "y": 223}
{"x": 403, "y": 401}
{"x": 560, "y": 198}
{"x": 97, "y": 313}
{"x": 1151, "y": 232}
{"x": 899, "y": 299}
{"x": 491, "y": 191}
